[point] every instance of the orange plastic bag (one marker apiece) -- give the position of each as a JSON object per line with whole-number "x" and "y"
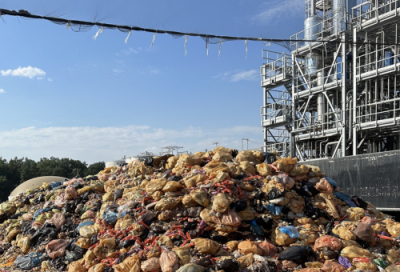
{"x": 331, "y": 242}
{"x": 333, "y": 266}
{"x": 248, "y": 246}
{"x": 324, "y": 186}
{"x": 268, "y": 249}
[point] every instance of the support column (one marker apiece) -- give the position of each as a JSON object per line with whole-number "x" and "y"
{"x": 344, "y": 69}
{"x": 354, "y": 66}
{"x": 263, "y": 118}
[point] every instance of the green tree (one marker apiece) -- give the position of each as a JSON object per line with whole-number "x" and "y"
{"x": 14, "y": 174}
{"x": 60, "y": 167}
{"x": 29, "y": 170}
{"x": 94, "y": 168}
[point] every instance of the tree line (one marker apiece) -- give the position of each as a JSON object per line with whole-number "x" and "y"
{"x": 18, "y": 170}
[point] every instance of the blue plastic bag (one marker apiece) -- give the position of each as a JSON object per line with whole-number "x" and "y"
{"x": 38, "y": 212}
{"x": 55, "y": 184}
{"x": 111, "y": 217}
{"x": 346, "y": 198}
{"x": 275, "y": 210}
{"x": 86, "y": 223}
{"x": 331, "y": 182}
{"x": 28, "y": 262}
{"x": 256, "y": 228}
{"x": 291, "y": 231}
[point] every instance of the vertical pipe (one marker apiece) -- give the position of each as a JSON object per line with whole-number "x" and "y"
{"x": 313, "y": 8}
{"x": 344, "y": 68}
{"x": 292, "y": 151}
{"x": 320, "y": 108}
{"x": 354, "y": 90}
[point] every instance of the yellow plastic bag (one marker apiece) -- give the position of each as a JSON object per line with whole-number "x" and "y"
{"x": 222, "y": 156}
{"x": 188, "y": 201}
{"x": 168, "y": 203}
{"x": 83, "y": 243}
{"x": 171, "y": 162}
{"x": 246, "y": 156}
{"x": 354, "y": 252}
{"x": 247, "y": 167}
{"x": 76, "y": 266}
{"x": 393, "y": 256}
{"x": 200, "y": 196}
{"x": 264, "y": 169}
{"x": 355, "y": 213}
{"x": 172, "y": 186}
{"x": 285, "y": 164}
{"x": 245, "y": 260}
{"x": 156, "y": 185}
{"x": 299, "y": 170}
{"x": 206, "y": 246}
{"x": 232, "y": 245}
{"x": 108, "y": 196}
{"x": 221, "y": 202}
{"x": 24, "y": 244}
{"x": 183, "y": 254}
{"x": 87, "y": 231}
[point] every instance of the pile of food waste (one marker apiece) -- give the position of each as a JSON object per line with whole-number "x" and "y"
{"x": 220, "y": 210}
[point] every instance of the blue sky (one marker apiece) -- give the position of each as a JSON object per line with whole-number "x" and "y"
{"x": 64, "y": 94}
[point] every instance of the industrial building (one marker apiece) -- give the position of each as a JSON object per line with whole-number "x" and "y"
{"x": 336, "y": 95}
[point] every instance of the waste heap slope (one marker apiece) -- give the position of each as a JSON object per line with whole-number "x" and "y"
{"x": 221, "y": 210}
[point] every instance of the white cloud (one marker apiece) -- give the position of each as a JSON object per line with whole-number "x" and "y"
{"x": 109, "y": 143}
{"x": 155, "y": 71}
{"x": 2, "y": 91}
{"x": 117, "y": 71}
{"x": 29, "y": 71}
{"x": 234, "y": 76}
{"x": 275, "y": 9}
{"x": 49, "y": 79}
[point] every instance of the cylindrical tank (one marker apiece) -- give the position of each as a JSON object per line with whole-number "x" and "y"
{"x": 313, "y": 62}
{"x": 320, "y": 107}
{"x": 130, "y": 159}
{"x": 115, "y": 163}
{"x": 312, "y": 28}
{"x": 340, "y": 9}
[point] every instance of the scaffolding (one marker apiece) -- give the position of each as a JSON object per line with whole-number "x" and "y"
{"x": 339, "y": 94}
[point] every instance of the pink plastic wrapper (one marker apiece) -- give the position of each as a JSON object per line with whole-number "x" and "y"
{"x": 70, "y": 193}
{"x": 56, "y": 248}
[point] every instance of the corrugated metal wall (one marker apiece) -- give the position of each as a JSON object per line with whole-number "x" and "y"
{"x": 373, "y": 177}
